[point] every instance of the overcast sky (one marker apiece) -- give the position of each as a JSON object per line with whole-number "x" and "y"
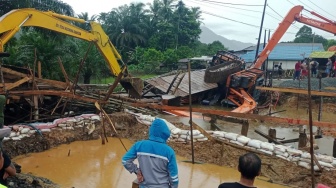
{"x": 236, "y": 22}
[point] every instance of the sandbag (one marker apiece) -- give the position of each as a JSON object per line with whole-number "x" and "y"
{"x": 294, "y": 152}
{"x": 280, "y": 148}
{"x": 265, "y": 151}
{"x": 198, "y": 136}
{"x": 305, "y": 160}
{"x": 305, "y": 155}
{"x": 175, "y": 131}
{"x": 24, "y": 130}
{"x": 231, "y": 136}
{"x": 16, "y": 138}
{"x": 282, "y": 157}
{"x": 254, "y": 143}
{"x": 325, "y": 158}
{"x": 243, "y": 139}
{"x": 304, "y": 164}
{"x": 329, "y": 165}
{"x": 334, "y": 163}
{"x": 183, "y": 136}
{"x": 285, "y": 154}
{"x": 236, "y": 142}
{"x": 219, "y": 134}
{"x": 202, "y": 139}
{"x": 267, "y": 146}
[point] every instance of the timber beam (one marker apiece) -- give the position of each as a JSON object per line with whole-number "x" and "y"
{"x": 53, "y": 93}
{"x": 299, "y": 91}
{"x": 291, "y": 121}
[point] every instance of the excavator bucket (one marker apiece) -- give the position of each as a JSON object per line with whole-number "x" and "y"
{"x": 133, "y": 86}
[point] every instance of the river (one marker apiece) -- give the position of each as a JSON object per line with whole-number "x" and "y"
{"x": 91, "y": 164}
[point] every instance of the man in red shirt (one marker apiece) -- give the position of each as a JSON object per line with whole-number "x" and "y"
{"x": 297, "y": 70}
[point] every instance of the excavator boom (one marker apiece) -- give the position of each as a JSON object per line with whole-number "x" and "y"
{"x": 240, "y": 82}
{"x": 12, "y": 22}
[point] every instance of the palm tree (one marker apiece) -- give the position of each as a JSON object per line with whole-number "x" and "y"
{"x": 44, "y": 5}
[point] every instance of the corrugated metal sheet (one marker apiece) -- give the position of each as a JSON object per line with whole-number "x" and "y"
{"x": 326, "y": 54}
{"x": 287, "y": 51}
{"x": 197, "y": 83}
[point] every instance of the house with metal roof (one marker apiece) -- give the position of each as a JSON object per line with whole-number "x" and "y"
{"x": 287, "y": 53}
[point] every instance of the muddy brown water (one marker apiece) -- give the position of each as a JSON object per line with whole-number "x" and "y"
{"x": 91, "y": 164}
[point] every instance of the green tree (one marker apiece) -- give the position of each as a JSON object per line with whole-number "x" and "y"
{"x": 305, "y": 35}
{"x": 331, "y": 42}
{"x": 214, "y": 47}
{"x": 44, "y": 5}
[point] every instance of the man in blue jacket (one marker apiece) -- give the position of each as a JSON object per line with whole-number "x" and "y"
{"x": 157, "y": 161}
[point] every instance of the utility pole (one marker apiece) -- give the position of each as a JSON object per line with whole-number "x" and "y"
{"x": 261, "y": 26}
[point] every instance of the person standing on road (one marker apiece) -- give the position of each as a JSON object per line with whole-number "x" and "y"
{"x": 280, "y": 71}
{"x": 314, "y": 66}
{"x": 328, "y": 67}
{"x": 157, "y": 161}
{"x": 249, "y": 167}
{"x": 297, "y": 70}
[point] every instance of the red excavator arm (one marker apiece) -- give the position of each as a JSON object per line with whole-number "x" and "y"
{"x": 241, "y": 84}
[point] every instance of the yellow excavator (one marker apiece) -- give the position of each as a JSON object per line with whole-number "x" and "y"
{"x": 12, "y": 22}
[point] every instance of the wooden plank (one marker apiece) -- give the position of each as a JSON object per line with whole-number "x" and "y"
{"x": 53, "y": 93}
{"x": 290, "y": 121}
{"x": 17, "y": 83}
{"x": 54, "y": 83}
{"x": 299, "y": 91}
{"x": 10, "y": 71}
{"x": 206, "y": 134}
{"x": 67, "y": 81}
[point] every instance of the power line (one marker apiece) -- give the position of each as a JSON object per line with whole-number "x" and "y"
{"x": 281, "y": 16}
{"x": 207, "y": 5}
{"x": 321, "y": 8}
{"x": 291, "y": 3}
{"x": 232, "y": 3}
{"x": 232, "y": 7}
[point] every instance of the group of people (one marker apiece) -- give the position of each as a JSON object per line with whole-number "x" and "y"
{"x": 331, "y": 68}
{"x": 157, "y": 162}
{"x": 301, "y": 70}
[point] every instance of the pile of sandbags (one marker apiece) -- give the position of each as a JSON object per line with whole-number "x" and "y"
{"x": 288, "y": 153}
{"x": 177, "y": 134}
{"x": 20, "y": 131}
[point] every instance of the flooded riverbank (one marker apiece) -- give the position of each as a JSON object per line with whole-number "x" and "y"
{"x": 91, "y": 164}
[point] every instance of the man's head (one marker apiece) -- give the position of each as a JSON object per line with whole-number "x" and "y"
{"x": 249, "y": 165}
{"x": 159, "y": 131}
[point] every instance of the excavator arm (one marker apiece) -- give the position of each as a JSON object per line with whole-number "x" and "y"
{"x": 241, "y": 84}
{"x": 293, "y": 15}
{"x": 12, "y": 22}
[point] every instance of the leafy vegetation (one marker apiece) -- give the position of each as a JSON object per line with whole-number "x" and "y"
{"x": 150, "y": 37}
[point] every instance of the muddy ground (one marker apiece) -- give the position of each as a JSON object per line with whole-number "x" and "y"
{"x": 278, "y": 170}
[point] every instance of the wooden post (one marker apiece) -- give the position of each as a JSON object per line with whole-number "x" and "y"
{"x": 245, "y": 128}
{"x": 213, "y": 120}
{"x": 39, "y": 69}
{"x": 334, "y": 148}
{"x": 272, "y": 134}
{"x": 302, "y": 139}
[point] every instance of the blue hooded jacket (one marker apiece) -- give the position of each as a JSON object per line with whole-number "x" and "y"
{"x": 157, "y": 160}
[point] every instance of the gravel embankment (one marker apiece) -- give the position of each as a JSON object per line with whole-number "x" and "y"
{"x": 328, "y": 84}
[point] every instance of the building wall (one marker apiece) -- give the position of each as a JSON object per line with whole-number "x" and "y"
{"x": 285, "y": 64}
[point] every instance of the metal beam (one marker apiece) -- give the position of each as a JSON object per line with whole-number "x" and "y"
{"x": 299, "y": 91}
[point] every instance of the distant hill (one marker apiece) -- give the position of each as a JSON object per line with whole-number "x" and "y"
{"x": 208, "y": 36}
